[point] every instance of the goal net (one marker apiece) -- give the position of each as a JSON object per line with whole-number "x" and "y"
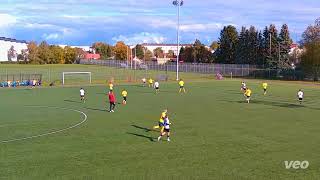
{"x": 76, "y": 77}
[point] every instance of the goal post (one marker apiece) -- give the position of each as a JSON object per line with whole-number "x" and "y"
{"x": 75, "y": 73}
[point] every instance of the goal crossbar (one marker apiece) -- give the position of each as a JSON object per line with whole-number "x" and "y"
{"x": 66, "y": 73}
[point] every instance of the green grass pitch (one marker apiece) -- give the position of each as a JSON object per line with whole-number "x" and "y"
{"x": 215, "y": 135}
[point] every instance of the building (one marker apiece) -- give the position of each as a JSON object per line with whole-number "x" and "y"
{"x": 11, "y": 48}
{"x": 165, "y": 47}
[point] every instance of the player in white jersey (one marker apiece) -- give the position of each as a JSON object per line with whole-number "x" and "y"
{"x": 82, "y": 95}
{"x": 300, "y": 95}
{"x": 243, "y": 86}
{"x": 156, "y": 86}
{"x": 166, "y": 129}
{"x": 144, "y": 81}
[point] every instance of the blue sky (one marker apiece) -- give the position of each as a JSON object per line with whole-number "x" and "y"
{"x": 82, "y": 22}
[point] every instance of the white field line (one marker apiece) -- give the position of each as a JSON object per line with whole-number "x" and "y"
{"x": 85, "y": 117}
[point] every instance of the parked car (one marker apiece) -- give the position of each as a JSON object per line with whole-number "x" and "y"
{"x": 143, "y": 66}
{"x": 124, "y": 65}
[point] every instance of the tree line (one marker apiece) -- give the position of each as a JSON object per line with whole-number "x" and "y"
{"x": 268, "y": 48}
{"x": 49, "y": 54}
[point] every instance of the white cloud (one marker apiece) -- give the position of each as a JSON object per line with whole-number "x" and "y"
{"x": 7, "y": 19}
{"x": 143, "y": 37}
{"x": 51, "y": 36}
{"x": 39, "y": 26}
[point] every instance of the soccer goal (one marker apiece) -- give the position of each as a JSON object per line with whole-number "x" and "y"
{"x": 76, "y": 76}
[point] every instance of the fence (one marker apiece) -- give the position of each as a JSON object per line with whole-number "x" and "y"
{"x": 239, "y": 70}
{"x": 120, "y": 71}
{"x": 227, "y": 70}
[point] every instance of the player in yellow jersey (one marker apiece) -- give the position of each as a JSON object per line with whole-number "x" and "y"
{"x": 110, "y": 86}
{"x": 265, "y": 86}
{"x": 161, "y": 121}
{"x": 124, "y": 94}
{"x": 181, "y": 84}
{"x": 247, "y": 94}
{"x": 150, "y": 81}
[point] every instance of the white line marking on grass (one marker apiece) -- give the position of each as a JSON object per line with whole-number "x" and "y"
{"x": 85, "y": 117}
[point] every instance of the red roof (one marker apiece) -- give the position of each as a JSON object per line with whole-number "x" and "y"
{"x": 293, "y": 45}
{"x": 92, "y": 56}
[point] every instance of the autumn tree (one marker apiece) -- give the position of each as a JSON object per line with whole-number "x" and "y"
{"x": 57, "y": 55}
{"x": 170, "y": 54}
{"x": 148, "y": 54}
{"x": 214, "y": 45}
{"x": 121, "y": 51}
{"x": 33, "y": 53}
{"x": 70, "y": 55}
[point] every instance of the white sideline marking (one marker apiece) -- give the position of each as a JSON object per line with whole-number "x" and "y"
{"x": 52, "y": 132}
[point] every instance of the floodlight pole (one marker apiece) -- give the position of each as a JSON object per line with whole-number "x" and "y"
{"x": 178, "y": 3}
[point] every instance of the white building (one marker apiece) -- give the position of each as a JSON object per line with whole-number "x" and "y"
{"x": 6, "y": 44}
{"x": 84, "y": 48}
{"x": 165, "y": 47}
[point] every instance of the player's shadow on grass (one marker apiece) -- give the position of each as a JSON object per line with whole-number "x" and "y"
{"x": 143, "y": 136}
{"x": 143, "y": 128}
{"x": 72, "y": 101}
{"x": 278, "y": 104}
{"x": 95, "y": 109}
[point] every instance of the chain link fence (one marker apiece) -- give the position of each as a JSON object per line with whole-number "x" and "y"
{"x": 227, "y": 70}
{"x": 123, "y": 71}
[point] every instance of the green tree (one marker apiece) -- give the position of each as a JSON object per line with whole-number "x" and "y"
{"x": 139, "y": 50}
{"x": 105, "y": 50}
{"x": 311, "y": 57}
{"x": 158, "y": 52}
{"x": 182, "y": 50}
{"x": 201, "y": 53}
{"x": 187, "y": 54}
{"x": 228, "y": 44}
{"x": 261, "y": 51}
{"x": 148, "y": 54}
{"x": 273, "y": 59}
{"x": 44, "y": 53}
{"x": 242, "y": 46}
{"x": 57, "y": 55}
{"x": 285, "y": 45}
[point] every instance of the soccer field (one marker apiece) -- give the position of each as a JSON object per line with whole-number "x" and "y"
{"x": 46, "y": 133}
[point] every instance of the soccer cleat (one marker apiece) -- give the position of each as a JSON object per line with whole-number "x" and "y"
{"x": 168, "y": 139}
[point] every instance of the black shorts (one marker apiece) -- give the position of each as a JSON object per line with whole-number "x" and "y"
{"x": 166, "y": 130}
{"x": 248, "y": 96}
{"x": 125, "y": 98}
{"x": 157, "y": 88}
{"x": 265, "y": 89}
{"x": 300, "y": 99}
{"x": 82, "y": 96}
{"x": 181, "y": 87}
